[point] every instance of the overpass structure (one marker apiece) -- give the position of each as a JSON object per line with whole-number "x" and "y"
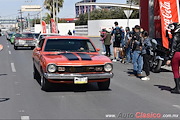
{"x": 8, "y": 21}
{"x": 109, "y": 4}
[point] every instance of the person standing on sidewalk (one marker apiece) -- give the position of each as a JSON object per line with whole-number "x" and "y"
{"x": 137, "y": 58}
{"x": 117, "y": 36}
{"x": 107, "y": 42}
{"x": 146, "y": 50}
{"x": 128, "y": 38}
{"x": 174, "y": 56}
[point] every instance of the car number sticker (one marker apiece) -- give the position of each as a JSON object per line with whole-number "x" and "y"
{"x": 78, "y": 80}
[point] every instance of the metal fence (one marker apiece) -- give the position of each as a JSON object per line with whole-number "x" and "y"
{"x": 81, "y": 30}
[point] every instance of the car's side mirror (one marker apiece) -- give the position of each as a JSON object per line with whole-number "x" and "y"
{"x": 38, "y": 49}
{"x": 98, "y": 49}
{"x": 1, "y": 47}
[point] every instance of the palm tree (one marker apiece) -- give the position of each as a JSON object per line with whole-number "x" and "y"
{"x": 49, "y": 5}
{"x": 47, "y": 18}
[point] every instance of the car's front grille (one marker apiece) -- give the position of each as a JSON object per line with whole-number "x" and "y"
{"x": 77, "y": 69}
{"x": 30, "y": 41}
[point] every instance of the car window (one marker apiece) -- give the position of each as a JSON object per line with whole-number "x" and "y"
{"x": 41, "y": 42}
{"x": 27, "y": 35}
{"x": 70, "y": 45}
{"x": 18, "y": 35}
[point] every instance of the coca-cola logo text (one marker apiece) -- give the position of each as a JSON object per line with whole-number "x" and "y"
{"x": 166, "y": 13}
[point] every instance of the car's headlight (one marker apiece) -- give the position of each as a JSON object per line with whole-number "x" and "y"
{"x": 61, "y": 69}
{"x": 51, "y": 68}
{"x": 99, "y": 68}
{"x": 108, "y": 67}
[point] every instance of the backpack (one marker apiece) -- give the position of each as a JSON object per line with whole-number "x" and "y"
{"x": 118, "y": 34}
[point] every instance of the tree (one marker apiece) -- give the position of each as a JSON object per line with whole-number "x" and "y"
{"x": 47, "y": 18}
{"x": 98, "y": 14}
{"x": 49, "y": 5}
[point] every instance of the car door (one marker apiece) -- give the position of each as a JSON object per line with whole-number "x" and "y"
{"x": 38, "y": 54}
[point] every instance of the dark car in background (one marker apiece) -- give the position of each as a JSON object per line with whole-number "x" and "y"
{"x": 26, "y": 40}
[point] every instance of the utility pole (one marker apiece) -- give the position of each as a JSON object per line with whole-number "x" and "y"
{"x": 21, "y": 21}
{"x": 56, "y": 12}
{"x": 53, "y": 10}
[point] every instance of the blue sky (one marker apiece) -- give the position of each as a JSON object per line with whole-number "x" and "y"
{"x": 9, "y": 8}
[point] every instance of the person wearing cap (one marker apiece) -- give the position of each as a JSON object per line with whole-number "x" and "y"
{"x": 137, "y": 58}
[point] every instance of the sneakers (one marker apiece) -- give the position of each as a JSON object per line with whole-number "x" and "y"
{"x": 114, "y": 60}
{"x": 103, "y": 53}
{"x": 145, "y": 78}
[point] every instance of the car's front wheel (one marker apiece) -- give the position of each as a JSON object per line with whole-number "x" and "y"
{"x": 36, "y": 74}
{"x": 45, "y": 85}
{"x": 104, "y": 85}
{"x": 15, "y": 47}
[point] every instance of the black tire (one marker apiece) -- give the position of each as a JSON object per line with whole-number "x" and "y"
{"x": 32, "y": 48}
{"x": 104, "y": 85}
{"x": 157, "y": 66}
{"x": 36, "y": 74}
{"x": 15, "y": 47}
{"x": 45, "y": 85}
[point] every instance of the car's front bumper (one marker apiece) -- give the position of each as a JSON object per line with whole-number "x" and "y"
{"x": 72, "y": 76}
{"x": 25, "y": 45}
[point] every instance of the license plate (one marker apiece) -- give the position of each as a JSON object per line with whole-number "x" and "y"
{"x": 26, "y": 45}
{"x": 78, "y": 80}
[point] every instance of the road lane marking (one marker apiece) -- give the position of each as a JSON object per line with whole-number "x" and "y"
{"x": 8, "y": 46}
{"x": 177, "y": 106}
{"x": 10, "y": 52}
{"x": 13, "y": 67}
{"x": 25, "y": 118}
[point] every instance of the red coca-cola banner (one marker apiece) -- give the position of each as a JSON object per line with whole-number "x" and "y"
{"x": 43, "y": 26}
{"x": 169, "y": 14}
{"x": 53, "y": 26}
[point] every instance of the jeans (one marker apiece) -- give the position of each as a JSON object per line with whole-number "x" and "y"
{"x": 104, "y": 48}
{"x": 137, "y": 61}
{"x": 108, "y": 51}
{"x": 146, "y": 66}
{"x": 128, "y": 54}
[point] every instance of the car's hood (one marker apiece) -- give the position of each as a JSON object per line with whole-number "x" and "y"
{"x": 76, "y": 59}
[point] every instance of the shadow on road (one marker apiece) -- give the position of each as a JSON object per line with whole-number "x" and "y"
{"x": 165, "y": 70}
{"x": 4, "y": 99}
{"x": 73, "y": 88}
{"x": 162, "y": 87}
{"x": 2, "y": 74}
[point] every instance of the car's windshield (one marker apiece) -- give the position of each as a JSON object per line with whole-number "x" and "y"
{"x": 69, "y": 45}
{"x": 27, "y": 35}
{"x": 18, "y": 35}
{"x": 10, "y": 34}
{"x": 36, "y": 35}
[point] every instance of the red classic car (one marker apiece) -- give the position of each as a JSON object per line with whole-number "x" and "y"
{"x": 71, "y": 60}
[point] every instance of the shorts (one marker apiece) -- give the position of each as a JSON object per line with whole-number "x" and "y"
{"x": 117, "y": 44}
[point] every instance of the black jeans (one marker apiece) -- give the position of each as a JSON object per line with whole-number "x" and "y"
{"x": 146, "y": 66}
{"x": 108, "y": 52}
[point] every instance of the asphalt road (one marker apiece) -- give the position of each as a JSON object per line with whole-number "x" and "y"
{"x": 22, "y": 98}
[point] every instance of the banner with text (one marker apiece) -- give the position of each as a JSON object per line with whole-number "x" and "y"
{"x": 43, "y": 26}
{"x": 53, "y": 26}
{"x": 169, "y": 13}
